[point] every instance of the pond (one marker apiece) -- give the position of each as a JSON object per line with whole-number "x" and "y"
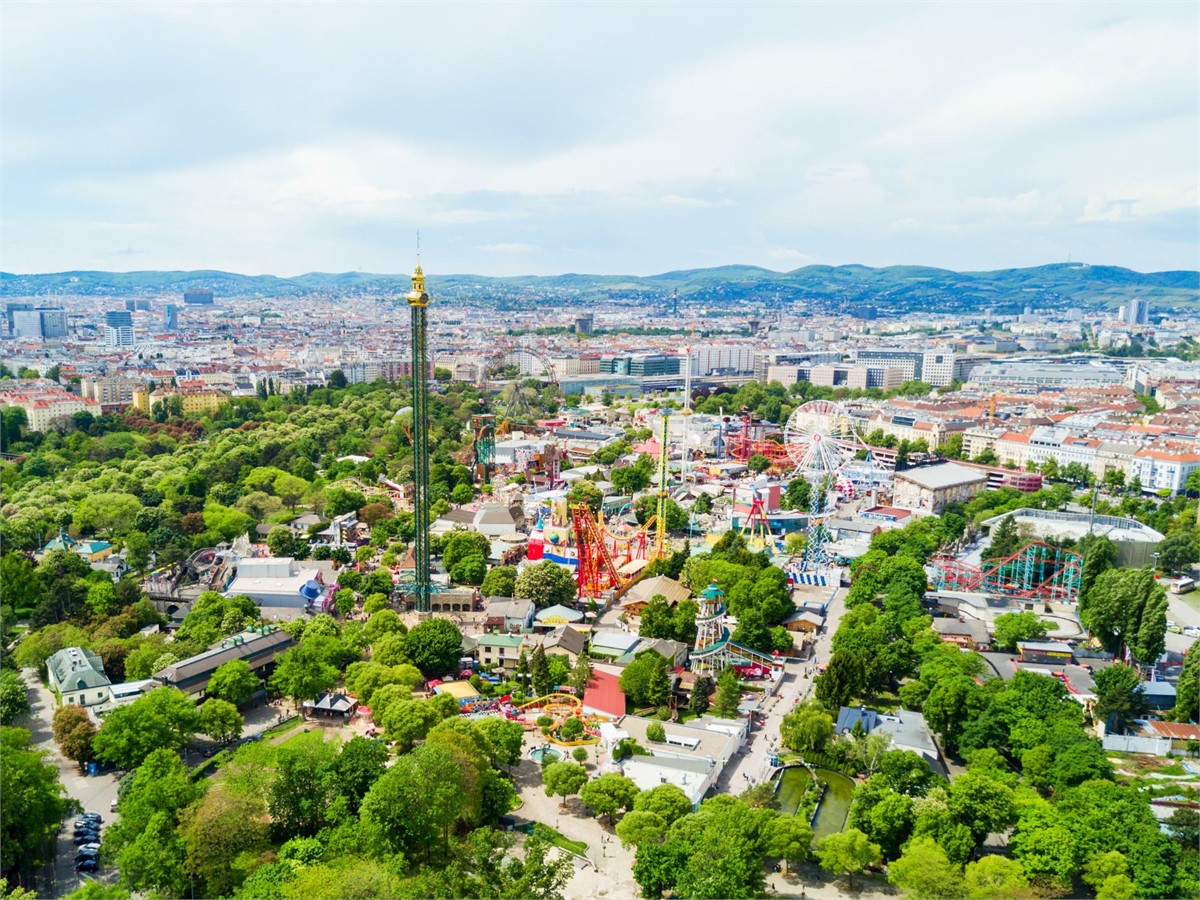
{"x": 835, "y": 804}
{"x": 549, "y": 753}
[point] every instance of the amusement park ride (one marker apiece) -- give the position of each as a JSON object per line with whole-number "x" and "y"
{"x": 1037, "y": 571}
{"x": 609, "y": 561}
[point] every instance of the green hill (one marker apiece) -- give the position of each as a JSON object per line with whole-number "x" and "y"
{"x": 890, "y": 289}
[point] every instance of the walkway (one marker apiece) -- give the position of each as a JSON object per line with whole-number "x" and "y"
{"x": 752, "y": 765}
{"x": 613, "y": 875}
{"x": 94, "y": 794}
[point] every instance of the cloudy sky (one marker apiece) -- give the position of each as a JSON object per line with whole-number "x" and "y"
{"x": 612, "y": 138}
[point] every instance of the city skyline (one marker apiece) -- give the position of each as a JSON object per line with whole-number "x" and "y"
{"x": 544, "y": 140}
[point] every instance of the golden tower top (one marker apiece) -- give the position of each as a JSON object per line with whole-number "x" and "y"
{"x": 418, "y": 296}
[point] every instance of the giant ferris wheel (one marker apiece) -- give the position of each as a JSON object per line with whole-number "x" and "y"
{"x": 821, "y": 442}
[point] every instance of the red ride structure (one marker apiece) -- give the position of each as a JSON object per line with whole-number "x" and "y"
{"x": 1037, "y": 571}
{"x": 604, "y": 558}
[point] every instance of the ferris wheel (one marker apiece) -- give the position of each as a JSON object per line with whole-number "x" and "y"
{"x": 820, "y": 439}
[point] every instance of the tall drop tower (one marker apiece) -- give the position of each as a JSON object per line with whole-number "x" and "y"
{"x": 418, "y": 300}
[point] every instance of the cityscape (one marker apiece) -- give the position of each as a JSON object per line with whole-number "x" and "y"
{"x": 790, "y": 552}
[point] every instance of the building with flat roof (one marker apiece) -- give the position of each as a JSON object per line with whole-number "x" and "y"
{"x": 929, "y": 488}
{"x": 273, "y": 581}
{"x": 1136, "y": 543}
{"x": 692, "y": 757}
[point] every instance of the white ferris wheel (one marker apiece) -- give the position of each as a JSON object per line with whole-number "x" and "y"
{"x": 820, "y": 440}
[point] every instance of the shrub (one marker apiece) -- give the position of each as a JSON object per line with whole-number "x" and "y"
{"x": 655, "y": 732}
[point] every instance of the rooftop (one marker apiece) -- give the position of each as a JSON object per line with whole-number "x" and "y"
{"x": 942, "y": 475}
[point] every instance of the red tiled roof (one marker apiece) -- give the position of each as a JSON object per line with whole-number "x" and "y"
{"x": 604, "y": 694}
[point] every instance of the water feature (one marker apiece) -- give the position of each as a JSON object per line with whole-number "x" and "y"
{"x": 547, "y": 752}
{"x": 834, "y": 805}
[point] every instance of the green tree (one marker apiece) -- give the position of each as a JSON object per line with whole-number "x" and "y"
{"x": 303, "y": 673}
{"x": 358, "y": 766}
{"x": 563, "y": 779}
{"x": 806, "y": 728}
{"x": 842, "y": 680}
{"x": 951, "y": 704}
{"x": 414, "y": 804}
{"x": 983, "y": 804}
{"x": 1187, "y": 697}
{"x": 1118, "y": 690}
{"x": 698, "y": 700}
{"x": 220, "y": 720}
{"x": 233, "y": 681}
{"x": 305, "y": 784}
{"x": 581, "y": 674}
{"x": 847, "y": 853}
{"x": 408, "y": 721}
{"x": 995, "y": 878}
{"x": 281, "y": 542}
{"x": 1178, "y": 551}
{"x": 546, "y": 583}
{"x": 215, "y": 831}
{"x": 658, "y": 867}
{"x": 923, "y": 871}
{"x": 159, "y": 786}
{"x": 585, "y": 492}
{"x": 790, "y": 839}
{"x": 153, "y": 862}
{"x": 499, "y": 582}
{"x": 14, "y": 697}
{"x": 609, "y": 794}
{"x": 1010, "y": 628}
{"x": 644, "y": 681}
{"x": 539, "y": 672}
{"x": 163, "y": 718}
{"x": 638, "y": 828}
{"x": 1006, "y": 540}
{"x": 758, "y": 463}
{"x": 35, "y": 801}
{"x": 666, "y": 800}
{"x": 434, "y": 646}
{"x": 729, "y": 694}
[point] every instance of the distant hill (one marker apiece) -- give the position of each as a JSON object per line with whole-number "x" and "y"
{"x": 889, "y": 289}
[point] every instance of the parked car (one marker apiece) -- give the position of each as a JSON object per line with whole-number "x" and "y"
{"x": 87, "y": 837}
{"x": 88, "y": 848}
{"x": 1192, "y": 631}
{"x": 1173, "y": 628}
{"x": 87, "y": 865}
{"x": 85, "y": 853}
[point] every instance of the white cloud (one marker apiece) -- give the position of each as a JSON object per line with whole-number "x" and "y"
{"x": 300, "y": 137}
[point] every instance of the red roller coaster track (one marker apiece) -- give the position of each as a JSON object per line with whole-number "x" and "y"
{"x": 1037, "y": 571}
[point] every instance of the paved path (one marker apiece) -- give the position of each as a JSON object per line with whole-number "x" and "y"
{"x": 613, "y": 873}
{"x": 753, "y": 765}
{"x": 94, "y": 794}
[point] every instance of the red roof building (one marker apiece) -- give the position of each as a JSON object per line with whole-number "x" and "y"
{"x": 604, "y": 695}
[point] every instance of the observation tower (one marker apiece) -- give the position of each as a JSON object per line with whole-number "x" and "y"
{"x": 418, "y": 300}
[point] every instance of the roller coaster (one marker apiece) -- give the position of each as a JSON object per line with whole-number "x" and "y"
{"x": 614, "y": 562}
{"x": 1037, "y": 571}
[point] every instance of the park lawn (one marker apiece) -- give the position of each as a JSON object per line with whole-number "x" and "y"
{"x": 558, "y": 839}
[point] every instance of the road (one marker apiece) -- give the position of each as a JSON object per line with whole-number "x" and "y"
{"x": 1181, "y": 613}
{"x": 94, "y": 794}
{"x": 753, "y": 765}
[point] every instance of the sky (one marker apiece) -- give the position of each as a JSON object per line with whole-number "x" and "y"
{"x": 613, "y": 138}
